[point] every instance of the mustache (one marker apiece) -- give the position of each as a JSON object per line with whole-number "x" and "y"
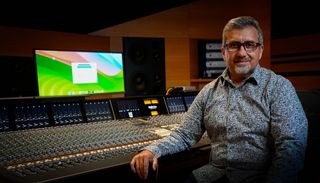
{"x": 236, "y": 60}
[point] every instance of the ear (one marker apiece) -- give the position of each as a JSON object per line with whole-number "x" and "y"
{"x": 260, "y": 52}
{"x": 223, "y": 53}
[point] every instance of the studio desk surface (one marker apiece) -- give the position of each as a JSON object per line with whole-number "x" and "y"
{"x": 92, "y": 151}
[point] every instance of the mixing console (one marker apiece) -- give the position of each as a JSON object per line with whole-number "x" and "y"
{"x": 175, "y": 104}
{"x": 188, "y": 100}
{"x": 52, "y": 140}
{"x": 98, "y": 110}
{"x": 4, "y": 121}
{"x": 66, "y": 113}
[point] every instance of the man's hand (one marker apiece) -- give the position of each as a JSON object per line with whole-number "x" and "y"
{"x": 140, "y": 163}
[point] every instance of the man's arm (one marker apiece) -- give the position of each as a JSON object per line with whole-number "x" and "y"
{"x": 289, "y": 128}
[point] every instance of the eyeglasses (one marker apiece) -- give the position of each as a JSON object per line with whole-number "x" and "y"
{"x": 249, "y": 46}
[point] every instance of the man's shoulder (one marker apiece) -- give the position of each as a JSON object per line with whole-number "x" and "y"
{"x": 275, "y": 84}
{"x": 271, "y": 77}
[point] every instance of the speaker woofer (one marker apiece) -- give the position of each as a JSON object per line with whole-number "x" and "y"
{"x": 140, "y": 82}
{"x": 137, "y": 53}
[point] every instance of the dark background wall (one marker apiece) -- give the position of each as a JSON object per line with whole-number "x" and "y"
{"x": 291, "y": 37}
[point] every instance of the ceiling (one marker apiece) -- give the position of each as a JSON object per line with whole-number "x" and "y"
{"x": 81, "y": 18}
{"x": 293, "y": 20}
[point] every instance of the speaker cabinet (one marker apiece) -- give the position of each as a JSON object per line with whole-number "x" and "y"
{"x": 18, "y": 77}
{"x": 144, "y": 66}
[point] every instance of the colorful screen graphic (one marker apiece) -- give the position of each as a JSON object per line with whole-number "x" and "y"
{"x": 65, "y": 73}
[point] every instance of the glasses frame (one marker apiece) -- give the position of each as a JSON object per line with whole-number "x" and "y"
{"x": 257, "y": 44}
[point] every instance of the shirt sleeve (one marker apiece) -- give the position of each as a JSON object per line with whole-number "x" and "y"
{"x": 187, "y": 134}
{"x": 289, "y": 128}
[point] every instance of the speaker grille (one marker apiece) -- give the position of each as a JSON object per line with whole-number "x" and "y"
{"x": 18, "y": 77}
{"x": 144, "y": 64}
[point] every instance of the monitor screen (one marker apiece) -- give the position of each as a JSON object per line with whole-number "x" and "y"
{"x": 188, "y": 100}
{"x": 98, "y": 110}
{"x": 175, "y": 104}
{"x": 66, "y": 73}
{"x": 30, "y": 116}
{"x": 127, "y": 108}
{"x": 67, "y": 113}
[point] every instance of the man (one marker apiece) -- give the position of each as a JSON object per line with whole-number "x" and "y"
{"x": 253, "y": 117}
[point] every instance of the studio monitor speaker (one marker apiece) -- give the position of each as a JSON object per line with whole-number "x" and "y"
{"x": 144, "y": 66}
{"x": 18, "y": 77}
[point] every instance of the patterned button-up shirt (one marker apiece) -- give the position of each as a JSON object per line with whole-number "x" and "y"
{"x": 258, "y": 126}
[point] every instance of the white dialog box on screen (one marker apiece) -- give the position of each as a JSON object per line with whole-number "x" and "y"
{"x": 84, "y": 73}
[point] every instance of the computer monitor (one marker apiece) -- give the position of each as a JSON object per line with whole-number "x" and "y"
{"x": 70, "y": 73}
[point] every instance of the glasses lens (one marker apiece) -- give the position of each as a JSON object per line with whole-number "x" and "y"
{"x": 233, "y": 46}
{"x": 249, "y": 46}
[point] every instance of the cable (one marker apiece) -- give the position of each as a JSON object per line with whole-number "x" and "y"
{"x": 169, "y": 90}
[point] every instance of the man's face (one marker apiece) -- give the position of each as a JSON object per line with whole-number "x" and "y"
{"x": 242, "y": 52}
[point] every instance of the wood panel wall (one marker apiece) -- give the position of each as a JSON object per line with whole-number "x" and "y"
{"x": 183, "y": 26}
{"x": 298, "y": 59}
{"x": 21, "y": 42}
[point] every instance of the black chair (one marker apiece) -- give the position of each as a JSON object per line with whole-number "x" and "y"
{"x": 310, "y": 101}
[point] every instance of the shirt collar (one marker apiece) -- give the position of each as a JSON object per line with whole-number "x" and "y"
{"x": 254, "y": 78}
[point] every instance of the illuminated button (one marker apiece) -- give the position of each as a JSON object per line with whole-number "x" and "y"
{"x": 146, "y": 102}
{"x": 154, "y": 101}
{"x": 154, "y": 113}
